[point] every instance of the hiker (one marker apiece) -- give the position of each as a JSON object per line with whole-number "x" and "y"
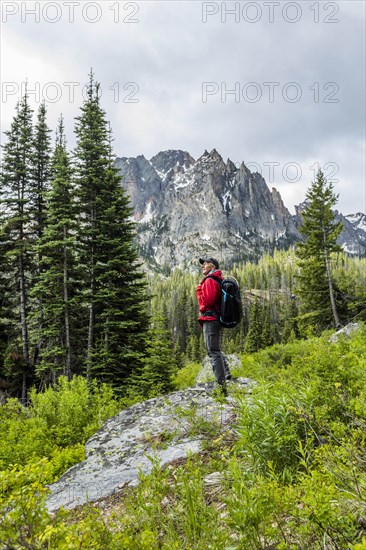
{"x": 209, "y": 301}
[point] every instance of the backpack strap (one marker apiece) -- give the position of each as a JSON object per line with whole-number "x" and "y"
{"x": 214, "y": 278}
{"x": 214, "y": 313}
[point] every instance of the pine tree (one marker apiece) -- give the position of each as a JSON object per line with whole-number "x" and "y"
{"x": 290, "y": 329}
{"x": 253, "y": 340}
{"x": 39, "y": 186}
{"x": 193, "y": 348}
{"x": 315, "y": 281}
{"x": 17, "y": 236}
{"x": 40, "y": 170}
{"x": 267, "y": 324}
{"x": 56, "y": 284}
{"x": 160, "y": 363}
{"x": 112, "y": 283}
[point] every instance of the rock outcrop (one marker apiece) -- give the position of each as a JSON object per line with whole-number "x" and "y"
{"x": 206, "y": 375}
{"x": 165, "y": 428}
{"x": 345, "y": 331}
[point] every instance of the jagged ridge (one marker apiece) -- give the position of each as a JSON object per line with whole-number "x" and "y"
{"x": 186, "y": 207}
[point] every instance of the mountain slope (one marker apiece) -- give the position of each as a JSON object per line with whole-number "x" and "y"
{"x": 186, "y": 207}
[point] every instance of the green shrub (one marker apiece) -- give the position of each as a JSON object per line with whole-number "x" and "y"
{"x": 62, "y": 459}
{"x": 61, "y": 416}
{"x": 307, "y": 392}
{"x": 22, "y": 512}
{"x": 74, "y": 410}
{"x": 270, "y": 428}
{"x": 22, "y": 437}
{"x": 312, "y": 513}
{"x": 186, "y": 376}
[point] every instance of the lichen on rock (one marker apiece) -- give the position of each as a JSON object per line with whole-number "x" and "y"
{"x": 165, "y": 428}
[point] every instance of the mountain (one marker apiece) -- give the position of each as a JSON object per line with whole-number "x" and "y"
{"x": 353, "y": 237}
{"x": 185, "y": 208}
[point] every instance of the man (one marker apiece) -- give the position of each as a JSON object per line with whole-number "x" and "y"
{"x": 209, "y": 301}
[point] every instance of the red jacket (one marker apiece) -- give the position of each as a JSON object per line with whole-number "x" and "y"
{"x": 209, "y": 296}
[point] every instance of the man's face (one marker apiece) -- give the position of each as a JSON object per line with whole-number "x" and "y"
{"x": 207, "y": 267}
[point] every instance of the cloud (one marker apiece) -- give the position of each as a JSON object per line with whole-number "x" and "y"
{"x": 162, "y": 53}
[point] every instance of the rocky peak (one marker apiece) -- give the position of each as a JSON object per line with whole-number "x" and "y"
{"x": 141, "y": 182}
{"x": 353, "y": 237}
{"x": 277, "y": 200}
{"x": 215, "y": 155}
{"x": 211, "y": 159}
{"x": 170, "y": 163}
{"x": 189, "y": 205}
{"x": 243, "y": 170}
{"x": 231, "y": 166}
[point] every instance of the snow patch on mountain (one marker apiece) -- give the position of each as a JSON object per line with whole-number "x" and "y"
{"x": 162, "y": 175}
{"x": 206, "y": 237}
{"x": 226, "y": 202}
{"x": 357, "y": 220}
{"x": 148, "y": 216}
{"x": 181, "y": 182}
{"x": 350, "y": 248}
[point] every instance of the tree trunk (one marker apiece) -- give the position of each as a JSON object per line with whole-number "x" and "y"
{"x": 24, "y": 327}
{"x": 90, "y": 335}
{"x": 67, "y": 319}
{"x": 22, "y": 295}
{"x": 37, "y": 351}
{"x": 106, "y": 335}
{"x": 331, "y": 291}
{"x": 92, "y": 297}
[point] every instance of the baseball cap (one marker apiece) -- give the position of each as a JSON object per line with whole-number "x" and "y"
{"x": 209, "y": 260}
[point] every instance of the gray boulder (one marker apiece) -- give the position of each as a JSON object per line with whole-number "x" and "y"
{"x": 163, "y": 429}
{"x": 345, "y": 331}
{"x": 206, "y": 374}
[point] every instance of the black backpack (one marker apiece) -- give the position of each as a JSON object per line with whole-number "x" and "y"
{"x": 231, "y": 306}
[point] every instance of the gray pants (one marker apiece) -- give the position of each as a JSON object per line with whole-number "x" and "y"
{"x": 212, "y": 337}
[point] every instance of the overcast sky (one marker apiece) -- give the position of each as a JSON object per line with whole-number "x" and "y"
{"x": 278, "y": 85}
